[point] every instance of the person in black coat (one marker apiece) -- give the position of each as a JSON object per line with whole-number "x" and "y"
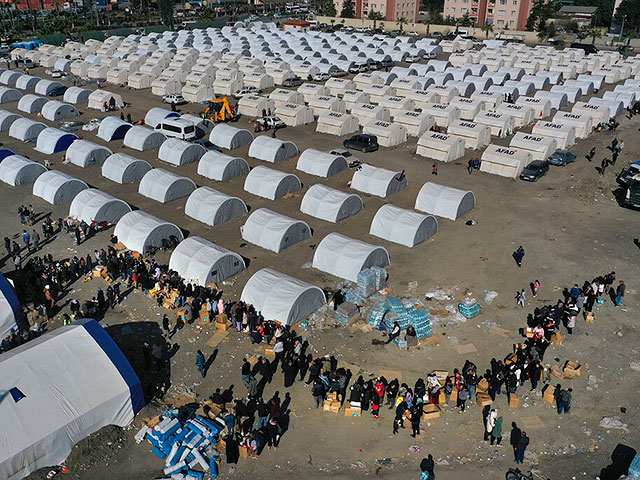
{"x": 232, "y": 451}
{"x": 303, "y": 365}
{"x": 516, "y": 433}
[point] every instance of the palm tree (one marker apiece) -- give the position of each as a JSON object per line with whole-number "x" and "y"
{"x": 402, "y": 21}
{"x": 487, "y": 28}
{"x": 594, "y": 33}
{"x": 375, "y": 16}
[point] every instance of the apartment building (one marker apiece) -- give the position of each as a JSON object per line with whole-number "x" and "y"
{"x": 511, "y": 14}
{"x": 391, "y": 10}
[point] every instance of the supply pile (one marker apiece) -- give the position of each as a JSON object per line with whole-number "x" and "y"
{"x": 405, "y": 312}
{"x": 469, "y": 307}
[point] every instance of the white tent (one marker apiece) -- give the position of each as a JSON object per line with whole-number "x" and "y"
{"x": 57, "y": 187}
{"x": 439, "y": 146}
{"x": 626, "y": 97}
{"x": 443, "y": 201}
{"x": 337, "y": 86}
{"x": 445, "y": 92}
{"x": 27, "y": 82}
{"x": 54, "y": 110}
{"x": 353, "y": 98}
{"x": 281, "y": 96}
{"x": 18, "y": 170}
{"x": 51, "y": 140}
{"x": 541, "y": 147}
{"x": 271, "y": 184}
{"x": 490, "y": 99}
{"x": 218, "y": 166}
{"x": 294, "y": 115}
{"x": 163, "y": 186}
{"x": 140, "y": 80}
{"x": 26, "y": 129}
{"x": 31, "y": 103}
{"x": 279, "y": 297}
{"x": 558, "y": 99}
{"x": 504, "y": 161}
{"x": 396, "y": 104}
{"x": 180, "y": 152}
{"x": 442, "y": 114}
{"x": 339, "y": 124}
{"x": 142, "y": 138}
{"x": 367, "y": 113}
{"x": 141, "y": 232}
{"x": 66, "y": 385}
{"x": 11, "y": 318}
{"x": 564, "y": 134}
{"x": 599, "y": 113}
{"x": 84, "y": 153}
{"x": 402, "y": 226}
{"x": 254, "y": 105}
{"x": 321, "y": 164}
{"x": 7, "y": 119}
{"x": 416, "y": 123}
{"x": 614, "y": 106}
{"x": 112, "y": 128}
{"x": 330, "y": 204}
{"x": 474, "y": 135}
{"x": 272, "y": 150}
{"x": 378, "y": 181}
{"x": 9, "y": 77}
{"x": 213, "y": 207}
{"x": 229, "y": 137}
{"x": 273, "y": 231}
{"x": 541, "y": 107}
{"x": 377, "y": 92}
{"x": 582, "y": 123}
{"x": 469, "y": 107}
{"x": 156, "y": 115}
{"x": 310, "y": 90}
{"x": 345, "y": 257}
{"x": 99, "y": 97}
{"x": 165, "y": 86}
{"x": 46, "y": 87}
{"x": 573, "y": 92}
{"x": 76, "y": 95}
{"x": 92, "y": 204}
{"x": 388, "y": 134}
{"x": 323, "y": 104}
{"x": 202, "y": 262}
{"x": 122, "y": 168}
{"x": 258, "y": 80}
{"x": 522, "y": 114}
{"x": 404, "y": 85}
{"x": 9, "y": 95}
{"x": 501, "y": 124}
{"x": 363, "y": 80}
{"x": 523, "y": 88}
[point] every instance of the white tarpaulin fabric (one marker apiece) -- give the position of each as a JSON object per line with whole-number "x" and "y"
{"x": 99, "y": 97}
{"x": 329, "y": 204}
{"x": 18, "y": 170}
{"x": 439, "y": 146}
{"x": 51, "y": 140}
{"x": 378, "y": 181}
{"x": 59, "y": 389}
{"x": 402, "y": 226}
{"x": 443, "y": 201}
{"x": 388, "y": 134}
{"x": 271, "y": 184}
{"x": 273, "y": 231}
{"x": 294, "y": 115}
{"x": 582, "y": 123}
{"x": 339, "y": 124}
{"x": 122, "y": 168}
{"x": 10, "y": 317}
{"x": 541, "y": 107}
{"x": 474, "y": 135}
{"x": 501, "y": 124}
{"x": 504, "y": 161}
{"x": 280, "y": 297}
{"x": 140, "y": 231}
{"x": 84, "y": 153}
{"x": 345, "y": 257}
{"x": 180, "y": 152}
{"x": 321, "y": 164}
{"x": 218, "y": 166}
{"x": 112, "y": 128}
{"x": 31, "y": 103}
{"x": 57, "y": 187}
{"x": 141, "y": 138}
{"x": 6, "y": 119}
{"x": 564, "y": 134}
{"x": 156, "y": 115}
{"x": 416, "y": 123}
{"x": 92, "y": 204}
{"x": 229, "y": 137}
{"x": 540, "y": 146}
{"x": 26, "y": 129}
{"x": 599, "y": 113}
{"x": 522, "y": 114}
{"x": 164, "y": 186}
{"x": 200, "y": 261}
{"x": 54, "y": 110}
{"x": 272, "y": 150}
{"x": 212, "y": 207}
{"x": 76, "y": 95}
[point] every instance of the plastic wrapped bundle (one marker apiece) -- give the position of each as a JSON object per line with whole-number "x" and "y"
{"x": 377, "y": 314}
{"x": 381, "y": 277}
{"x": 366, "y": 282}
{"x": 421, "y": 322}
{"x": 469, "y": 308}
{"x": 634, "y": 468}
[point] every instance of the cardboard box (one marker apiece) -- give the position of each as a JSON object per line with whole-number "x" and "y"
{"x": 453, "y": 398}
{"x": 547, "y": 394}
{"x": 221, "y": 446}
{"x": 168, "y": 304}
{"x": 335, "y": 407}
{"x": 352, "y": 412}
{"x": 557, "y": 372}
{"x": 269, "y": 351}
{"x": 510, "y": 359}
{"x": 407, "y": 415}
{"x": 529, "y": 332}
{"x": 252, "y": 360}
{"x": 332, "y": 397}
{"x": 221, "y": 318}
{"x": 589, "y": 317}
{"x": 572, "y": 369}
{"x": 223, "y": 326}
{"x": 245, "y": 452}
{"x": 204, "y": 317}
{"x": 441, "y": 375}
{"x": 97, "y": 271}
{"x": 431, "y": 412}
{"x": 442, "y": 397}
{"x": 482, "y": 386}
{"x": 326, "y": 406}
{"x": 120, "y": 246}
{"x": 482, "y": 399}
{"x": 514, "y": 400}
{"x": 557, "y": 339}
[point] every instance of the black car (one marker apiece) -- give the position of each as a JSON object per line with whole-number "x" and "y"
{"x": 534, "y": 171}
{"x": 364, "y": 143}
{"x": 292, "y": 82}
{"x": 587, "y": 47}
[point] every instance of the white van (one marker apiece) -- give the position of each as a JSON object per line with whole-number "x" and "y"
{"x": 177, "y": 128}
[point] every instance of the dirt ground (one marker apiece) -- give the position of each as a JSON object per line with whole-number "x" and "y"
{"x": 572, "y": 229}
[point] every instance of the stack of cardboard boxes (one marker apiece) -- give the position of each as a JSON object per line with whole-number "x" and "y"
{"x": 331, "y": 404}
{"x": 482, "y": 397}
{"x": 222, "y": 322}
{"x": 353, "y": 410}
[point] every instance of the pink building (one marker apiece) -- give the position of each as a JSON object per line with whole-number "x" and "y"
{"x": 511, "y": 14}
{"x": 392, "y": 10}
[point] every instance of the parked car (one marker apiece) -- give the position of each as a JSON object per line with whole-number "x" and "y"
{"x": 347, "y": 155}
{"x": 375, "y": 65}
{"x": 57, "y": 91}
{"x": 362, "y": 142}
{"x": 561, "y": 158}
{"x": 321, "y": 77}
{"x": 338, "y": 73}
{"x": 624, "y": 177}
{"x": 413, "y": 58}
{"x": 267, "y": 123}
{"x": 71, "y": 125}
{"x": 292, "y": 82}
{"x": 174, "y": 98}
{"x": 246, "y": 91}
{"x": 25, "y": 63}
{"x": 587, "y": 47}
{"x": 388, "y": 63}
{"x": 534, "y": 171}
{"x": 208, "y": 146}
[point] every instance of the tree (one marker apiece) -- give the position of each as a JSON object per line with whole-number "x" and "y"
{"x": 629, "y": 11}
{"x": 329, "y": 9}
{"x": 487, "y": 28}
{"x": 348, "y": 10}
{"x": 402, "y": 21}
{"x": 375, "y": 16}
{"x": 593, "y": 34}
{"x": 166, "y": 12}
{"x": 541, "y": 12}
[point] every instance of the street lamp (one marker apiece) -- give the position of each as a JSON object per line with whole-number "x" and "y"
{"x": 622, "y": 28}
